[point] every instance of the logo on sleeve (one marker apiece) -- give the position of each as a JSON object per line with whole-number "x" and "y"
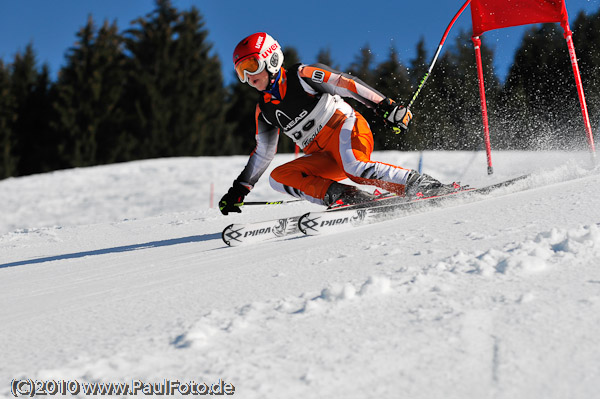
{"x": 318, "y": 76}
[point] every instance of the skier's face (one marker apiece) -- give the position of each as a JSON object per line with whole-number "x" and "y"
{"x": 259, "y": 81}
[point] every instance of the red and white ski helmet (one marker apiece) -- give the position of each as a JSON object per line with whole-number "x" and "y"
{"x": 255, "y": 53}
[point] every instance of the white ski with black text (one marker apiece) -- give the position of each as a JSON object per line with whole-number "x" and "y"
{"x": 314, "y": 223}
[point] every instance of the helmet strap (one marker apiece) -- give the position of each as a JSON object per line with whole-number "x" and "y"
{"x": 273, "y": 79}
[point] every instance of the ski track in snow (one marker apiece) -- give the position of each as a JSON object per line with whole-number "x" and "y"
{"x": 497, "y": 298}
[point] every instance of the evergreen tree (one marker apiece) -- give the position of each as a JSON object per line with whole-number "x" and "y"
{"x": 439, "y": 105}
{"x": 175, "y": 85}
{"x": 447, "y": 112}
{"x": 30, "y": 90}
{"x": 89, "y": 96}
{"x": 539, "y": 92}
{"x": 44, "y": 154}
{"x": 422, "y": 116}
{"x": 324, "y": 57}
{"x": 291, "y": 57}
{"x": 586, "y": 37}
{"x": 362, "y": 67}
{"x": 465, "y": 113}
{"x": 419, "y": 65}
{"x": 241, "y": 113}
{"x": 392, "y": 80}
{"x": 8, "y": 156}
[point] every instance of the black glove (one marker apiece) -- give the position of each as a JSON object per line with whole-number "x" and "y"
{"x": 396, "y": 114}
{"x": 232, "y": 200}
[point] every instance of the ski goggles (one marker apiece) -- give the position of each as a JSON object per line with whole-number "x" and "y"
{"x": 249, "y": 66}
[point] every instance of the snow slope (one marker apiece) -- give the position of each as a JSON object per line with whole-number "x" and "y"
{"x": 118, "y": 274}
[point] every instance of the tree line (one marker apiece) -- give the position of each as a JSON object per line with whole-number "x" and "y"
{"x": 156, "y": 90}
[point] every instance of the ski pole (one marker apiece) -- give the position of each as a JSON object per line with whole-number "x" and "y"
{"x": 435, "y": 57}
{"x": 281, "y": 202}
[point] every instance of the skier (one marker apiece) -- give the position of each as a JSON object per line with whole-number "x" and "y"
{"x": 304, "y": 102}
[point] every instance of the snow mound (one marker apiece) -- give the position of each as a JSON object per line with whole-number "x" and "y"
{"x": 554, "y": 247}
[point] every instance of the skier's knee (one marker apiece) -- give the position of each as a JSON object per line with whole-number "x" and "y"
{"x": 282, "y": 173}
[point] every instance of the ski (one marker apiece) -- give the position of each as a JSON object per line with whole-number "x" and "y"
{"x": 315, "y": 223}
{"x": 246, "y": 233}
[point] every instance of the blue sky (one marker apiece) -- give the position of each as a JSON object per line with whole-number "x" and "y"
{"x": 342, "y": 27}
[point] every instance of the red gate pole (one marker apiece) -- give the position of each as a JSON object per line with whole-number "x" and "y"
{"x": 484, "y": 113}
{"x": 586, "y": 118}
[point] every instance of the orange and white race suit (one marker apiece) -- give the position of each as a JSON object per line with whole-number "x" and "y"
{"x": 306, "y": 105}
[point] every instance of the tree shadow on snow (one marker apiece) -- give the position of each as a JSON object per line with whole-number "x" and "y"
{"x": 125, "y": 248}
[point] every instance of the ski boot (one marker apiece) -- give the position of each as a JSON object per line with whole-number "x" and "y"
{"x": 342, "y": 194}
{"x": 423, "y": 185}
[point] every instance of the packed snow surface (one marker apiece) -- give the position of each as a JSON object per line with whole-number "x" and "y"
{"x": 118, "y": 274}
